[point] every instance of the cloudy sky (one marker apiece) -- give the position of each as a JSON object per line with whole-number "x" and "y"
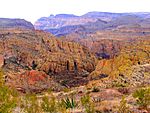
{"x": 31, "y": 10}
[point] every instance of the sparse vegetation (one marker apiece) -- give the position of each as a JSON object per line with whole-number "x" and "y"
{"x": 142, "y": 96}
{"x": 8, "y": 97}
{"x": 31, "y": 104}
{"x": 87, "y": 104}
{"x": 49, "y": 104}
{"x": 123, "y": 108}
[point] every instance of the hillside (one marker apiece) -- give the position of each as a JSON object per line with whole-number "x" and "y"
{"x": 99, "y": 63}
{"x": 22, "y": 51}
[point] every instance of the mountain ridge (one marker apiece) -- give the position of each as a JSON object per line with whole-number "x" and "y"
{"x": 91, "y": 21}
{"x": 15, "y": 23}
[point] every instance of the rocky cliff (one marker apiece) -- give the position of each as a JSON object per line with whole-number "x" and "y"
{"x": 130, "y": 67}
{"x": 24, "y": 50}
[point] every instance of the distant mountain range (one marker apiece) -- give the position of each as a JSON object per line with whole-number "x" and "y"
{"x": 15, "y": 23}
{"x": 63, "y": 24}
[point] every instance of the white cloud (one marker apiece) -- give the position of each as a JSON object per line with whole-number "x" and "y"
{"x": 34, "y": 9}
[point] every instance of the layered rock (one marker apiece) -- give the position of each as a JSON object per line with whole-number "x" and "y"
{"x": 129, "y": 67}
{"x": 27, "y": 50}
{"x": 35, "y": 81}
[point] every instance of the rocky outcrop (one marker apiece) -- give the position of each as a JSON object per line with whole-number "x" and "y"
{"x": 37, "y": 50}
{"x": 129, "y": 63}
{"x": 108, "y": 43}
{"x": 36, "y": 81}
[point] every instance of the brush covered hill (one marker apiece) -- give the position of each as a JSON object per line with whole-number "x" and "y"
{"x": 129, "y": 68}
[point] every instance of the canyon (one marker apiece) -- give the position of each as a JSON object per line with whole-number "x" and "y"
{"x": 101, "y": 55}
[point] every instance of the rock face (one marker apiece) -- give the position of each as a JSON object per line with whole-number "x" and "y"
{"x": 36, "y": 50}
{"x": 35, "y": 81}
{"x": 15, "y": 23}
{"x": 103, "y": 33}
{"x": 129, "y": 67}
{"x": 108, "y": 43}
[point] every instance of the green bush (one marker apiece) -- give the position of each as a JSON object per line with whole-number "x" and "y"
{"x": 142, "y": 97}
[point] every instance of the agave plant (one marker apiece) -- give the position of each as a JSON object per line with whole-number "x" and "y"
{"x": 69, "y": 103}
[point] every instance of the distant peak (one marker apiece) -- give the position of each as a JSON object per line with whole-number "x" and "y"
{"x": 65, "y": 15}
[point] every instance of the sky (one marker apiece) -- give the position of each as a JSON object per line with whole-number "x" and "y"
{"x": 31, "y": 10}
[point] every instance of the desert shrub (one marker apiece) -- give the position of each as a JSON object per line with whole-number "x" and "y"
{"x": 7, "y": 100}
{"x": 142, "y": 96}
{"x": 95, "y": 89}
{"x": 120, "y": 82}
{"x": 49, "y": 105}
{"x": 64, "y": 83}
{"x": 123, "y": 90}
{"x": 30, "y": 104}
{"x": 1, "y": 78}
{"x": 90, "y": 108}
{"x": 69, "y": 103}
{"x": 8, "y": 97}
{"x": 61, "y": 107}
{"x": 85, "y": 100}
{"x": 96, "y": 99}
{"x": 87, "y": 104}
{"x": 123, "y": 108}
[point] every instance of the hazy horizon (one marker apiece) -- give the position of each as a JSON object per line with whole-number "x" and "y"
{"x": 32, "y": 10}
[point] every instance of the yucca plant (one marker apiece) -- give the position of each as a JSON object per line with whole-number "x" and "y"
{"x": 69, "y": 103}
